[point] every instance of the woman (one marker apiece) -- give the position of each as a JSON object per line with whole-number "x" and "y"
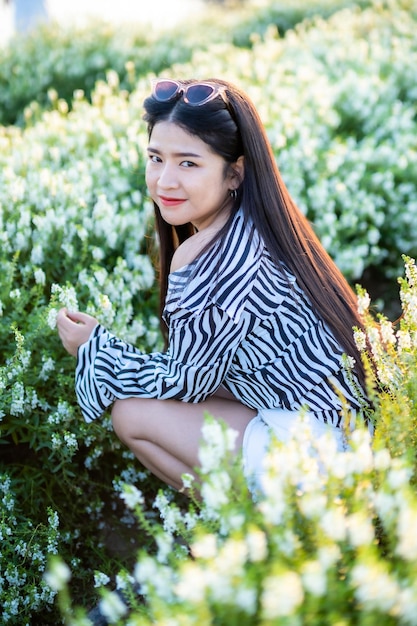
{"x": 257, "y": 315}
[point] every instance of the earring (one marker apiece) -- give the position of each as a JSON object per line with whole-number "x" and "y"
{"x": 233, "y": 193}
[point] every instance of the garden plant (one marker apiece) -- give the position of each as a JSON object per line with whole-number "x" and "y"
{"x": 332, "y": 541}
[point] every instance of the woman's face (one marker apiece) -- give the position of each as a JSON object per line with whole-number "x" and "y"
{"x": 186, "y": 179}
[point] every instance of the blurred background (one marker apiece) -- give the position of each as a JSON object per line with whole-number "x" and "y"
{"x": 22, "y": 15}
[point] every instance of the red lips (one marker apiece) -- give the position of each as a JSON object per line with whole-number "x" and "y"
{"x": 170, "y": 201}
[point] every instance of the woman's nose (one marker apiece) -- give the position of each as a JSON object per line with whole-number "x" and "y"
{"x": 167, "y": 178}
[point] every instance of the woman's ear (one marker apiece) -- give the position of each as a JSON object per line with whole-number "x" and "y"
{"x": 237, "y": 172}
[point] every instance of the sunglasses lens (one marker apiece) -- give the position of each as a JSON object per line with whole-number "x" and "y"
{"x": 164, "y": 90}
{"x": 198, "y": 94}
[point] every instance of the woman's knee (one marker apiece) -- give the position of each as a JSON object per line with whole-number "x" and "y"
{"x": 127, "y": 418}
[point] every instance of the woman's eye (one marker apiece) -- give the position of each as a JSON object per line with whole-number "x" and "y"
{"x": 154, "y": 158}
{"x": 187, "y": 164}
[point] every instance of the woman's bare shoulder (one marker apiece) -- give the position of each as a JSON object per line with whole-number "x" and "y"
{"x": 190, "y": 249}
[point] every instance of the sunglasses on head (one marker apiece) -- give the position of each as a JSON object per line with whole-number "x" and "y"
{"x": 194, "y": 94}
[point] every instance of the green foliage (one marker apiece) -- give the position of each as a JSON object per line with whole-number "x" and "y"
{"x": 68, "y": 59}
{"x": 71, "y": 59}
{"x": 255, "y": 19}
{"x": 393, "y": 350}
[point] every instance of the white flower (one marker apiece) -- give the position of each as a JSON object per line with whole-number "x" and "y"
{"x": 411, "y": 272}
{"x": 231, "y": 520}
{"x": 150, "y": 574}
{"x": 348, "y": 362}
{"x": 382, "y": 459}
{"x": 56, "y": 441}
{"x": 53, "y": 520}
{"x": 215, "y": 490}
{"x": 100, "y": 579}
{"x": 385, "y": 504}
{"x": 361, "y": 460}
{"x": 124, "y": 580}
{"x": 164, "y": 543}
{"x": 407, "y": 604}
{"x": 71, "y": 441}
{"x": 205, "y": 547}
{"x": 58, "y": 575}
{"x": 40, "y": 276}
{"x": 187, "y": 480}
{"x": 17, "y": 406}
{"x": 314, "y": 578}
{"x": 404, "y": 340}
{"x": 360, "y": 529}
{"x": 256, "y": 542}
{"x": 398, "y": 476}
{"x": 47, "y": 366}
{"x": 66, "y": 296}
{"x": 112, "y": 607}
{"x": 406, "y": 530}
{"x": 15, "y": 294}
{"x": 282, "y": 594}
{"x": 245, "y": 597}
{"x": 312, "y": 505}
{"x": 377, "y": 589}
{"x": 360, "y": 340}
{"x": 333, "y": 523}
{"x": 217, "y": 442}
{"x": 232, "y": 557}
{"x": 52, "y": 317}
{"x": 132, "y": 496}
{"x": 193, "y": 583}
{"x": 363, "y": 303}
{"x": 272, "y": 507}
{"x": 387, "y": 332}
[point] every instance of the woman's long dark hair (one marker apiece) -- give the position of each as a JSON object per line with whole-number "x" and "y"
{"x": 231, "y": 126}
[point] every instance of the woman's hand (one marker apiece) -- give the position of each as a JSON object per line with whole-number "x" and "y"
{"x": 74, "y": 329}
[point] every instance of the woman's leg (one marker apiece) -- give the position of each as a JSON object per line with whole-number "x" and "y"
{"x": 165, "y": 435}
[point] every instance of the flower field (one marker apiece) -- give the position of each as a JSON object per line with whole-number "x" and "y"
{"x": 333, "y": 540}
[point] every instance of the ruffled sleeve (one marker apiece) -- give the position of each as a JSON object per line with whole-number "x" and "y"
{"x": 206, "y": 328}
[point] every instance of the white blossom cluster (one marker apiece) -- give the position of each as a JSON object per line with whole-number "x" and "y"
{"x": 25, "y": 550}
{"x": 313, "y": 540}
{"x": 392, "y": 348}
{"x": 79, "y": 206}
{"x": 72, "y": 227}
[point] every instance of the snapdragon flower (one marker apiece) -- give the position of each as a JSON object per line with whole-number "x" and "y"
{"x": 100, "y": 579}
{"x": 112, "y": 607}
{"x": 132, "y": 496}
{"x": 282, "y": 594}
{"x": 58, "y": 575}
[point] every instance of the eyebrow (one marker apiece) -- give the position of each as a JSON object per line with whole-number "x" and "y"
{"x": 176, "y": 154}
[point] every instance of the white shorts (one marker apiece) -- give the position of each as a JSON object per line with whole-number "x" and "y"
{"x": 282, "y": 423}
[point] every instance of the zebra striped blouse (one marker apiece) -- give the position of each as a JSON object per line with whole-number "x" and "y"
{"x": 235, "y": 319}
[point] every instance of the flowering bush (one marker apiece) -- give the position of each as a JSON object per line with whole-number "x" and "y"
{"x": 24, "y": 552}
{"x": 71, "y": 58}
{"x": 394, "y": 355}
{"x": 329, "y": 539}
{"x": 337, "y": 99}
{"x": 73, "y": 231}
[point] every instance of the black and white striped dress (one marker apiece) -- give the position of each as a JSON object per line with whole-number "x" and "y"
{"x": 235, "y": 319}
